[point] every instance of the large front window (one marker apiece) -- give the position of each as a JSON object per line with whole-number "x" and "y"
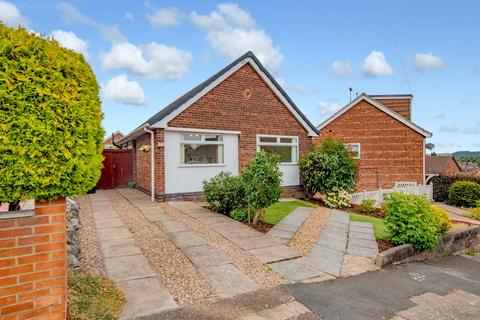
{"x": 200, "y": 148}
{"x": 285, "y": 147}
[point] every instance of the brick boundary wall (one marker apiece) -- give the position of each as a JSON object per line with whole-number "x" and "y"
{"x": 33, "y": 264}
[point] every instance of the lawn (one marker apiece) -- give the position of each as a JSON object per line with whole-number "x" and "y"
{"x": 279, "y": 210}
{"x": 378, "y": 226}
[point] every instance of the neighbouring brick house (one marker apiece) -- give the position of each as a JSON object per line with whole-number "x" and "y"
{"x": 389, "y": 147}
{"x": 218, "y": 126}
{"x": 114, "y": 138}
{"x": 442, "y": 164}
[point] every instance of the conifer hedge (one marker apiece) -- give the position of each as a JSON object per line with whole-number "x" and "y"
{"x": 50, "y": 119}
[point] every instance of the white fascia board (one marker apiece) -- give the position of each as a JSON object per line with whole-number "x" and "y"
{"x": 202, "y": 130}
{"x": 379, "y": 106}
{"x": 164, "y": 122}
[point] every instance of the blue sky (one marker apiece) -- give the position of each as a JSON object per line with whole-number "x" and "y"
{"x": 145, "y": 54}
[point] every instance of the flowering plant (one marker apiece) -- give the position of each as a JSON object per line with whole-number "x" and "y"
{"x": 145, "y": 148}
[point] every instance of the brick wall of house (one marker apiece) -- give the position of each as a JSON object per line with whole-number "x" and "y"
{"x": 390, "y": 151}
{"x": 242, "y": 102}
{"x": 33, "y": 264}
{"x": 400, "y": 106}
{"x": 452, "y": 168}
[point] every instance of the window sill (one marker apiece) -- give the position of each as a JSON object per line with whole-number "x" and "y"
{"x": 207, "y": 165}
{"x": 16, "y": 214}
{"x": 287, "y": 164}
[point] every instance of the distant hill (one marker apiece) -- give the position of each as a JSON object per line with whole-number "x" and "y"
{"x": 461, "y": 154}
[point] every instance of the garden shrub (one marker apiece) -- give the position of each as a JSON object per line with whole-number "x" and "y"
{"x": 262, "y": 182}
{"x": 50, "y": 119}
{"x": 464, "y": 194}
{"x": 337, "y": 199}
{"x": 442, "y": 219}
{"x": 224, "y": 193}
{"x": 442, "y": 183}
{"x": 239, "y": 214}
{"x": 328, "y": 167}
{"x": 367, "y": 206}
{"x": 476, "y": 213}
{"x": 409, "y": 219}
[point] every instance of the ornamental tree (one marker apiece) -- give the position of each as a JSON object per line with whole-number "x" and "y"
{"x": 50, "y": 119}
{"x": 329, "y": 167}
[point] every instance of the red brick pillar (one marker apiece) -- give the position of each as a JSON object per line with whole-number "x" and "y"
{"x": 33, "y": 264}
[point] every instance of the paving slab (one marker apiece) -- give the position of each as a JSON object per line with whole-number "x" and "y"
{"x": 172, "y": 226}
{"x": 109, "y": 223}
{"x": 128, "y": 268}
{"x": 367, "y": 225}
{"x": 119, "y": 248}
{"x": 332, "y": 243}
{"x": 254, "y": 242}
{"x": 186, "y": 239}
{"x": 215, "y": 219}
{"x": 274, "y": 253}
{"x": 353, "y": 235}
{"x": 289, "y": 225}
{"x": 326, "y": 260}
{"x": 227, "y": 280}
{"x": 364, "y": 243}
{"x": 294, "y": 270}
{"x": 361, "y": 229}
{"x": 104, "y": 214}
{"x": 113, "y": 233}
{"x": 205, "y": 256}
{"x": 145, "y": 297}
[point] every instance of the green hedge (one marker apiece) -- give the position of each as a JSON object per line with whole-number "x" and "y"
{"x": 464, "y": 194}
{"x": 441, "y": 185}
{"x": 50, "y": 119}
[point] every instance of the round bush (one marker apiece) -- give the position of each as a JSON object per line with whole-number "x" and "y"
{"x": 224, "y": 193}
{"x": 50, "y": 119}
{"x": 464, "y": 194}
{"x": 409, "y": 219}
{"x": 442, "y": 219}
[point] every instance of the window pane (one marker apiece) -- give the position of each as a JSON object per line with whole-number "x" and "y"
{"x": 213, "y": 137}
{"x": 355, "y": 148}
{"x": 202, "y": 153}
{"x": 286, "y": 153}
{"x": 288, "y": 140}
{"x": 268, "y": 139}
{"x": 192, "y": 137}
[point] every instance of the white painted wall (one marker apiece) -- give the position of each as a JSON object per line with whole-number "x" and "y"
{"x": 291, "y": 175}
{"x": 181, "y": 179}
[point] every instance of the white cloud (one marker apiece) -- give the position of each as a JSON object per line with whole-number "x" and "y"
{"x": 156, "y": 61}
{"x": 165, "y": 17}
{"x": 342, "y": 68}
{"x": 70, "y": 40}
{"x": 449, "y": 127}
{"x": 232, "y": 32}
{"x": 375, "y": 65}
{"x": 427, "y": 61}
{"x": 11, "y": 16}
{"x": 327, "y": 108}
{"x": 119, "y": 89}
{"x": 129, "y": 16}
{"x": 70, "y": 14}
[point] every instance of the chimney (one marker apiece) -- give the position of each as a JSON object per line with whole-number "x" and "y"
{"x": 399, "y": 103}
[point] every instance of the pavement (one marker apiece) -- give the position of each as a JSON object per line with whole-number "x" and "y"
{"x": 457, "y": 214}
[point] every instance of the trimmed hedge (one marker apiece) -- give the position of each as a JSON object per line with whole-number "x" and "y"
{"x": 441, "y": 185}
{"x": 50, "y": 119}
{"x": 464, "y": 194}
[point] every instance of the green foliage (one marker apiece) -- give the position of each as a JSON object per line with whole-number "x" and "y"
{"x": 50, "y": 119}
{"x": 442, "y": 219}
{"x": 378, "y": 224}
{"x": 464, "y": 194}
{"x": 367, "y": 206}
{"x": 277, "y": 211}
{"x": 476, "y": 213}
{"x": 328, "y": 167}
{"x": 239, "y": 214}
{"x": 477, "y": 203}
{"x": 441, "y": 185}
{"x": 337, "y": 199}
{"x": 224, "y": 193}
{"x": 409, "y": 219}
{"x": 262, "y": 182}
{"x": 93, "y": 297}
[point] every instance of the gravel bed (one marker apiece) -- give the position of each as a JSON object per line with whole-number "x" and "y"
{"x": 356, "y": 265}
{"x": 173, "y": 268}
{"x": 245, "y": 262}
{"x": 91, "y": 258}
{"x": 308, "y": 234}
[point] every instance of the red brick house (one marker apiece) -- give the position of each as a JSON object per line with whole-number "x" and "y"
{"x": 115, "y": 137}
{"x": 218, "y": 126}
{"x": 442, "y": 164}
{"x": 389, "y": 147}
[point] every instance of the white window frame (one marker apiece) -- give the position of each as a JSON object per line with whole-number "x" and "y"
{"x": 359, "y": 149}
{"x": 278, "y": 143}
{"x": 202, "y": 142}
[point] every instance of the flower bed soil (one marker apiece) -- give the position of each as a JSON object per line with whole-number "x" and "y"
{"x": 384, "y": 245}
{"x": 377, "y": 213}
{"x": 260, "y": 226}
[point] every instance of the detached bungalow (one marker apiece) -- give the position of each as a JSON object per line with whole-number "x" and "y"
{"x": 218, "y": 126}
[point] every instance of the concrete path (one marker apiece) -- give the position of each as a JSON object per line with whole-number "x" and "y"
{"x": 448, "y": 288}
{"x": 126, "y": 265}
{"x": 289, "y": 225}
{"x": 224, "y": 278}
{"x": 263, "y": 247}
{"x": 456, "y": 214}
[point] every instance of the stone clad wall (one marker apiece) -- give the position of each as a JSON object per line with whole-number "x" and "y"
{"x": 33, "y": 270}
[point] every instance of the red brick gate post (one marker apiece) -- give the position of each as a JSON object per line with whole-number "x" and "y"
{"x": 33, "y": 264}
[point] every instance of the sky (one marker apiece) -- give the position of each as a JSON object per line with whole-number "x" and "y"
{"x": 146, "y": 54}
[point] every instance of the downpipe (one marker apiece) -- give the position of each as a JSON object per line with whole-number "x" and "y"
{"x": 152, "y": 162}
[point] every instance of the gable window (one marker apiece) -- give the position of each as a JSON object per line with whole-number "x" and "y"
{"x": 286, "y": 147}
{"x": 200, "y": 148}
{"x": 355, "y": 149}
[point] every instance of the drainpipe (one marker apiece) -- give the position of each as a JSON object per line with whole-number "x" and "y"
{"x": 152, "y": 161}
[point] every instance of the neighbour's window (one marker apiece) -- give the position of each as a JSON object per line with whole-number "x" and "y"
{"x": 199, "y": 148}
{"x": 355, "y": 149}
{"x": 285, "y": 147}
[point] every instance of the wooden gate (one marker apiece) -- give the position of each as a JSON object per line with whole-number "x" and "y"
{"x": 117, "y": 168}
